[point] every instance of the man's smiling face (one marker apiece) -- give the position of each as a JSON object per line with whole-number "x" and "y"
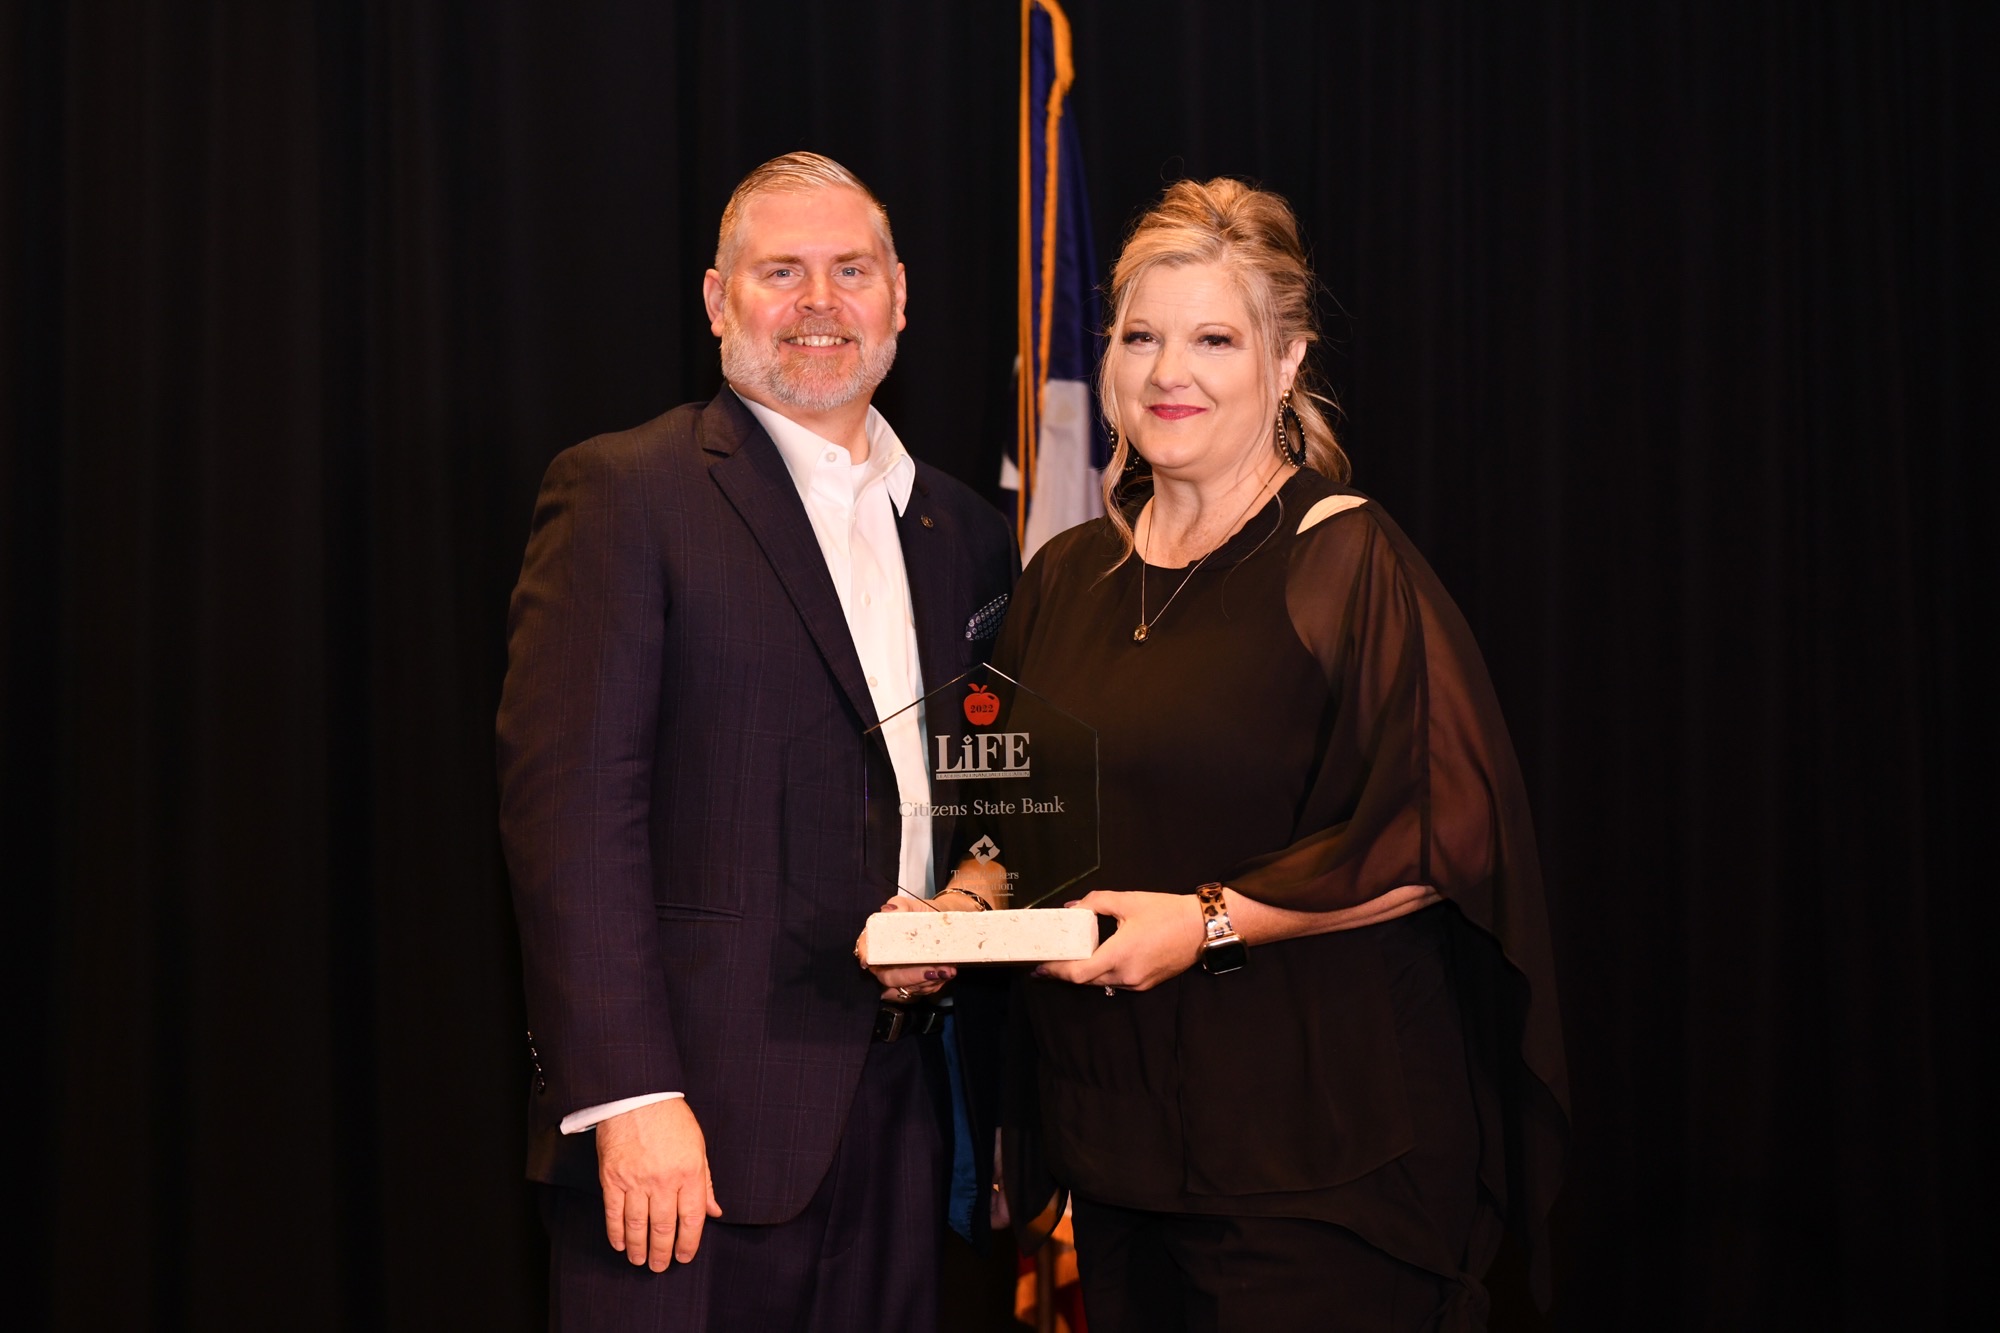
{"x": 809, "y": 310}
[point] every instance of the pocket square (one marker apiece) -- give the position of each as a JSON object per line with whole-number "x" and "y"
{"x": 985, "y": 622}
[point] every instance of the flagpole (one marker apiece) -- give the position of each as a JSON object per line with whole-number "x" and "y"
{"x": 1025, "y": 386}
{"x": 1037, "y": 300}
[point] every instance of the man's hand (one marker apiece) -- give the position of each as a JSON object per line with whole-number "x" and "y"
{"x": 1159, "y": 937}
{"x": 918, "y": 979}
{"x": 653, "y": 1165}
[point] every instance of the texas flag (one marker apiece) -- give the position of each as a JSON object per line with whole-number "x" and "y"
{"x": 1060, "y": 447}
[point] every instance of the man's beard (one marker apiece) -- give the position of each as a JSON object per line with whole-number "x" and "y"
{"x": 803, "y": 382}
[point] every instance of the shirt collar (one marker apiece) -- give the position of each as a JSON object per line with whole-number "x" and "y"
{"x": 803, "y": 451}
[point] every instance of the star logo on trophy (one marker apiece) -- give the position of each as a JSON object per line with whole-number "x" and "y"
{"x": 984, "y": 850}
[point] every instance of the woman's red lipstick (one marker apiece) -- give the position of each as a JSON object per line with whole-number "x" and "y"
{"x": 1174, "y": 411}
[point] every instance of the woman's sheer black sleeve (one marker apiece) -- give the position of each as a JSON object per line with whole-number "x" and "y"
{"x": 1418, "y": 784}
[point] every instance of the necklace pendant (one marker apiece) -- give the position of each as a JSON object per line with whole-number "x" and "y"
{"x": 1139, "y": 634}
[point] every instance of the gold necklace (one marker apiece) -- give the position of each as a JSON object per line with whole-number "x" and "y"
{"x": 1146, "y": 623}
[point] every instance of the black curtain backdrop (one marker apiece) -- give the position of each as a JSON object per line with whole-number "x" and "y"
{"x": 1658, "y": 326}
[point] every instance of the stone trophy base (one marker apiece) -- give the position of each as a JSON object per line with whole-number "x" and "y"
{"x": 1026, "y": 935}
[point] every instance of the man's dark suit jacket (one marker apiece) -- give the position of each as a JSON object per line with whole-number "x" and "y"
{"x": 684, "y": 754}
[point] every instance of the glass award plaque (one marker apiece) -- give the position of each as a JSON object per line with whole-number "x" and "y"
{"x": 1013, "y": 782}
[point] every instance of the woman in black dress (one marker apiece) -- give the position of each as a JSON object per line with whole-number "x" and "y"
{"x": 1317, "y": 1070}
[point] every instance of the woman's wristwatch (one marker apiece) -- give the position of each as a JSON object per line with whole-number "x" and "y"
{"x": 1221, "y": 949}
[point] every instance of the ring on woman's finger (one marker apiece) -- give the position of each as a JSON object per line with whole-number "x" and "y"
{"x": 1109, "y": 991}
{"x": 903, "y": 991}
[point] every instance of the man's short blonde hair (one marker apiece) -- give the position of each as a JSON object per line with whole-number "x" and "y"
{"x": 793, "y": 173}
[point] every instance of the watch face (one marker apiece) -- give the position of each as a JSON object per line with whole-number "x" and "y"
{"x": 1224, "y": 956}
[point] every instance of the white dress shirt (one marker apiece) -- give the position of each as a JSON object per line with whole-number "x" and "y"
{"x": 853, "y": 508}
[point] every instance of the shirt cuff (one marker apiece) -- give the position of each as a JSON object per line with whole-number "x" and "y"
{"x": 590, "y": 1116}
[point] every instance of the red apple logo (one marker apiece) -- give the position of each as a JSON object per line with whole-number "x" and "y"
{"x": 982, "y": 706}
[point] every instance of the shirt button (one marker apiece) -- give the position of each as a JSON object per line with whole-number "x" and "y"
{"x": 868, "y": 599}
{"x": 831, "y": 456}
{"x": 872, "y": 682}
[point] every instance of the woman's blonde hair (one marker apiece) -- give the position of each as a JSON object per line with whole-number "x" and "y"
{"x": 1252, "y": 234}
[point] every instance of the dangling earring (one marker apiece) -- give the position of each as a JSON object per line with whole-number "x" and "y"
{"x": 1132, "y": 459}
{"x": 1296, "y": 457}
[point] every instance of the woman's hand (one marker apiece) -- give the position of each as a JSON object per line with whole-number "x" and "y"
{"x": 1159, "y": 937}
{"x": 916, "y": 980}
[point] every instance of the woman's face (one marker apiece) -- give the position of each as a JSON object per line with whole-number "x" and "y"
{"x": 1193, "y": 386}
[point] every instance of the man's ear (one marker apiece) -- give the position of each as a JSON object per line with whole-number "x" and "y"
{"x": 713, "y": 294}
{"x": 902, "y": 297}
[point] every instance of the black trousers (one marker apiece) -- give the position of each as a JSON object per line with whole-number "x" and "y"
{"x": 1183, "y": 1273}
{"x": 862, "y": 1258}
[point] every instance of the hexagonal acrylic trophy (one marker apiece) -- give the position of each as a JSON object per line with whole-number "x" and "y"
{"x": 1015, "y": 779}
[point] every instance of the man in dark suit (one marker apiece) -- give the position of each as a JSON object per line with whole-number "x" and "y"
{"x": 715, "y": 612}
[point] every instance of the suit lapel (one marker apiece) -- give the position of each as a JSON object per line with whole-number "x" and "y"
{"x": 752, "y": 475}
{"x": 932, "y": 562}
